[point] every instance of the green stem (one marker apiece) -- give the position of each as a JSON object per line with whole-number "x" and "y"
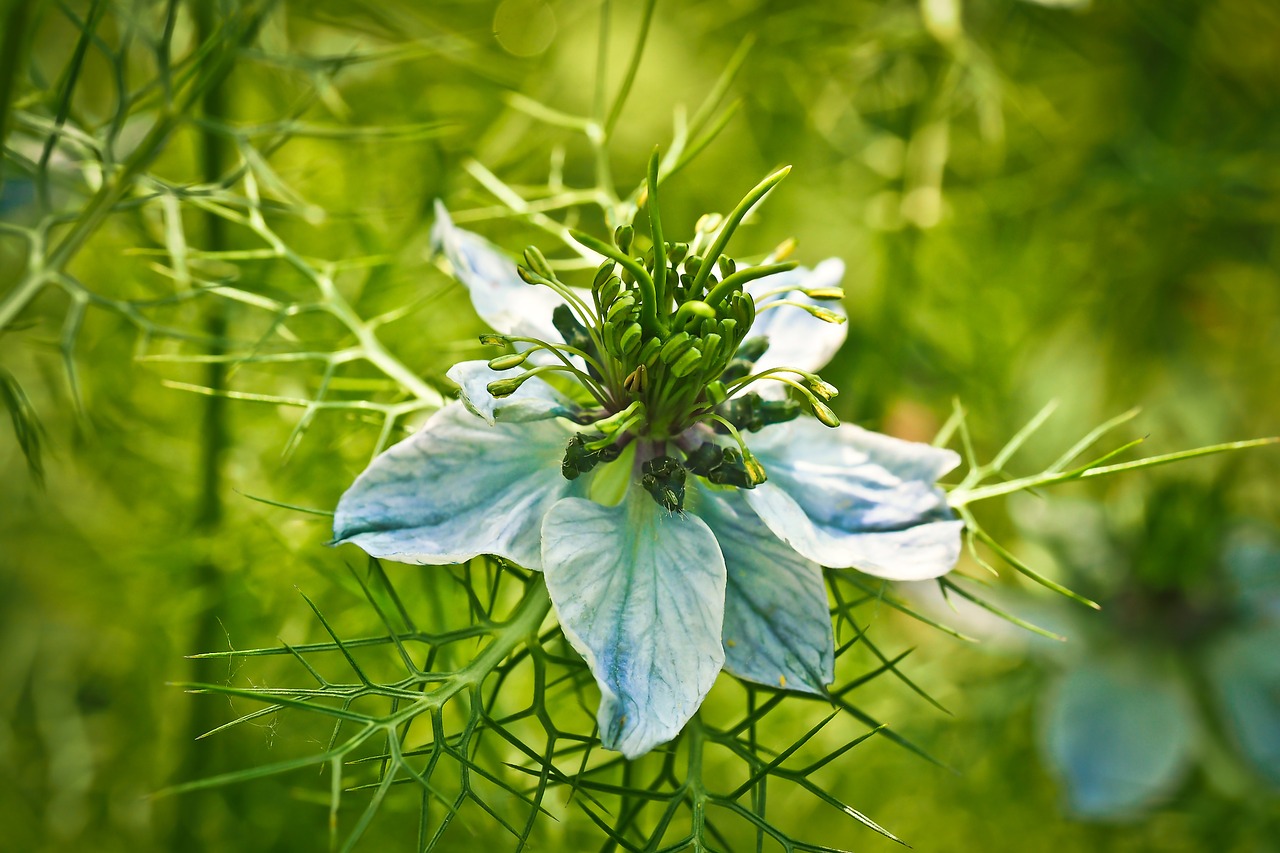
{"x": 964, "y": 497}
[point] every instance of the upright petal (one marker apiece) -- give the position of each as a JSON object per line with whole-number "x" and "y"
{"x": 777, "y": 626}
{"x": 498, "y": 293}
{"x": 534, "y": 400}
{"x": 796, "y": 337}
{"x": 457, "y": 489}
{"x": 848, "y": 497}
{"x": 640, "y": 595}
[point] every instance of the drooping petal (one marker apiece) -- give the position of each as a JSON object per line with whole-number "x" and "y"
{"x": 796, "y": 337}
{"x": 534, "y": 400}
{"x": 1120, "y": 734}
{"x": 457, "y": 489}
{"x": 498, "y": 293}
{"x": 852, "y": 498}
{"x": 777, "y": 626}
{"x": 640, "y": 594}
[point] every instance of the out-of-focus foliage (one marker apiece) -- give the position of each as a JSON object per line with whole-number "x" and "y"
{"x": 1035, "y": 200}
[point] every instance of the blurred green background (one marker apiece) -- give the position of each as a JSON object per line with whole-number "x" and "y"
{"x": 1035, "y": 200}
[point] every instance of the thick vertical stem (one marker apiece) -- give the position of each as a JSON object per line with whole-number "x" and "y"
{"x": 190, "y": 831}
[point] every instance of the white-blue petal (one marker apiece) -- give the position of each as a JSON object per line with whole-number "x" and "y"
{"x": 796, "y": 337}
{"x": 534, "y": 400}
{"x": 499, "y": 295}
{"x": 456, "y": 489}
{"x": 777, "y": 625}
{"x": 640, "y": 594}
{"x": 851, "y": 498}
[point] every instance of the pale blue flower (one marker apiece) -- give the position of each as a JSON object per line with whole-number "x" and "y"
{"x": 695, "y": 562}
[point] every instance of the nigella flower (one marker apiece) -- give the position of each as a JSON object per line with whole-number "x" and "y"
{"x": 654, "y": 460}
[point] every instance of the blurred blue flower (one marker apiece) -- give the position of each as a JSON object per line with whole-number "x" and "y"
{"x": 667, "y": 553}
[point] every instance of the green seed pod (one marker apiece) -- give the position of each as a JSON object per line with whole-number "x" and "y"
{"x": 623, "y": 236}
{"x": 506, "y": 362}
{"x": 687, "y": 363}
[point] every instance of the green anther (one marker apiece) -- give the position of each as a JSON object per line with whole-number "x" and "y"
{"x": 649, "y": 352}
{"x": 529, "y": 276}
{"x": 687, "y": 363}
{"x": 506, "y": 387}
{"x": 711, "y": 345}
{"x": 631, "y": 338}
{"x": 506, "y": 362}
{"x": 611, "y": 335}
{"x": 823, "y": 389}
{"x": 825, "y": 315}
{"x": 602, "y": 275}
{"x": 826, "y": 293}
{"x": 492, "y": 340}
{"x": 620, "y": 308}
{"x": 608, "y": 291}
{"x": 676, "y": 346}
{"x": 690, "y": 311}
{"x": 707, "y": 223}
{"x": 623, "y": 236}
{"x": 538, "y": 263}
{"x": 823, "y": 413}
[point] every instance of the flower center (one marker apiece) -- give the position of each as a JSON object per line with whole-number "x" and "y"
{"x": 662, "y": 344}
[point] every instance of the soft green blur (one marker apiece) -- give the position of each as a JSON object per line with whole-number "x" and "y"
{"x": 1034, "y": 201}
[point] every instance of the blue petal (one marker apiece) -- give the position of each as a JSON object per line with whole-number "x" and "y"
{"x": 457, "y": 489}
{"x": 796, "y": 337}
{"x": 777, "y": 625}
{"x": 499, "y": 295}
{"x": 1120, "y": 734}
{"x": 1245, "y": 670}
{"x": 851, "y": 498}
{"x": 534, "y": 400}
{"x": 640, "y": 594}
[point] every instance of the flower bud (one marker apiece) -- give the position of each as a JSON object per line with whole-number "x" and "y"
{"x": 631, "y": 338}
{"x": 491, "y": 340}
{"x": 537, "y": 262}
{"x": 675, "y": 346}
